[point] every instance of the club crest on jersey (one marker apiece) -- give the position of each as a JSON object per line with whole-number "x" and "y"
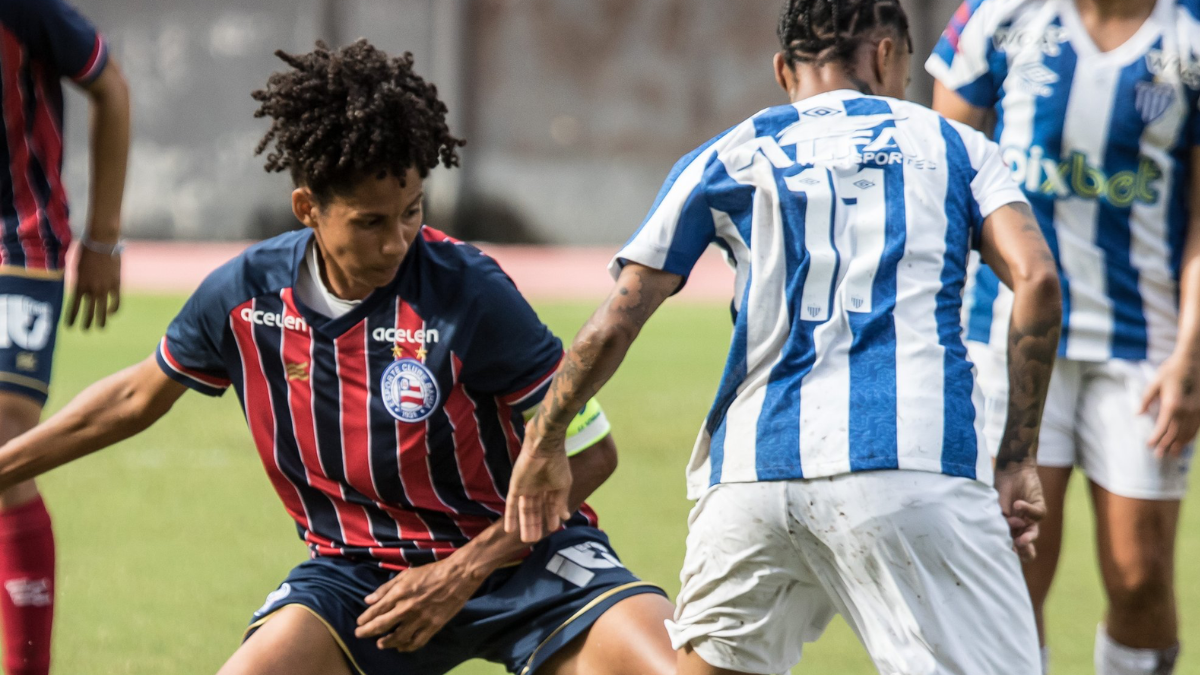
{"x": 409, "y": 390}
{"x": 1153, "y": 100}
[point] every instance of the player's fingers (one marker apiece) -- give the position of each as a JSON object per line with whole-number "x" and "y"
{"x": 1030, "y": 512}
{"x": 532, "y": 523}
{"x": 89, "y": 311}
{"x": 380, "y": 592}
{"x": 560, "y": 506}
{"x": 1160, "y": 428}
{"x": 512, "y": 516}
{"x": 1150, "y": 396}
{"x": 114, "y": 299}
{"x": 401, "y": 638}
{"x": 73, "y": 312}
{"x": 1168, "y": 438}
{"x": 101, "y": 312}
{"x": 1026, "y": 553}
{"x": 384, "y": 621}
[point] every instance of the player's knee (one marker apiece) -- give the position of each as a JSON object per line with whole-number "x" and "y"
{"x": 1143, "y": 591}
{"x": 18, "y": 495}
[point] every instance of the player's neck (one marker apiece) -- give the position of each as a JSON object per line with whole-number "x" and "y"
{"x": 813, "y": 81}
{"x": 1105, "y": 10}
{"x": 337, "y": 281}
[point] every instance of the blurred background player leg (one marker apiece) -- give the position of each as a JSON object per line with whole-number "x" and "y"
{"x": 26, "y": 557}
{"x": 42, "y": 43}
{"x": 1135, "y": 540}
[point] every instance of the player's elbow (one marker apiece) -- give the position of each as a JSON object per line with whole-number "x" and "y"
{"x": 1040, "y": 285}
{"x": 110, "y": 89}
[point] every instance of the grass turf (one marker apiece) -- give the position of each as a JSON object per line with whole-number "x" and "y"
{"x": 168, "y": 542}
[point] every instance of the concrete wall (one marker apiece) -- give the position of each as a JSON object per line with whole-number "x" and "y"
{"x": 574, "y": 109}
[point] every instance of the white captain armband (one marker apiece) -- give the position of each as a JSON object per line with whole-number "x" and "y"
{"x": 588, "y": 428}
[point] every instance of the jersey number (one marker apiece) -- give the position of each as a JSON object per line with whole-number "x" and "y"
{"x": 859, "y": 239}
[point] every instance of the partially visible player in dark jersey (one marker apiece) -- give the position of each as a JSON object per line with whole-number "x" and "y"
{"x": 43, "y": 42}
{"x": 385, "y": 371}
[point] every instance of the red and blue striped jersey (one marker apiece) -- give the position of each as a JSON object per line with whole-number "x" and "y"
{"x": 390, "y": 432}
{"x": 41, "y": 42}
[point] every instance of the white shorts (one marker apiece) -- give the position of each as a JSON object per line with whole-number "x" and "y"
{"x": 919, "y": 564}
{"x": 1091, "y": 421}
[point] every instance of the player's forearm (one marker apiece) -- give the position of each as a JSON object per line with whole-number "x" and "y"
{"x": 1188, "y": 341}
{"x": 494, "y": 547}
{"x": 1032, "y": 347}
{"x": 105, "y": 413}
{"x": 110, "y": 123}
{"x": 601, "y": 345}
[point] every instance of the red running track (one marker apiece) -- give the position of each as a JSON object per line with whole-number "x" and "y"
{"x": 542, "y": 273}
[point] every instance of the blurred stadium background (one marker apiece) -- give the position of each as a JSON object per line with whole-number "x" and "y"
{"x": 574, "y": 110}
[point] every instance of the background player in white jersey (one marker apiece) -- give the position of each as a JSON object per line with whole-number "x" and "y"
{"x": 842, "y": 468}
{"x": 1096, "y": 112}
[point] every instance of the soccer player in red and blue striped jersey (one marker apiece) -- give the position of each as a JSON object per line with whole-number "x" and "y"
{"x": 43, "y": 42}
{"x": 385, "y": 371}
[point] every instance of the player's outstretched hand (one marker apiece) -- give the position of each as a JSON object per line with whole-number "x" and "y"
{"x": 407, "y": 611}
{"x": 97, "y": 288}
{"x": 1176, "y": 390}
{"x": 541, "y": 481}
{"x": 1022, "y": 504}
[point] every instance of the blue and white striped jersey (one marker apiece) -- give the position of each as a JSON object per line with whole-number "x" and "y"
{"x": 848, "y": 220}
{"x": 1100, "y": 142}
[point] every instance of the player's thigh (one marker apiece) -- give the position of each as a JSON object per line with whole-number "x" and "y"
{"x": 749, "y": 602}
{"x": 921, "y": 566}
{"x": 1135, "y": 541}
{"x": 292, "y": 642}
{"x": 18, "y": 413}
{"x": 691, "y": 663}
{"x": 631, "y": 637}
{"x": 1113, "y": 437}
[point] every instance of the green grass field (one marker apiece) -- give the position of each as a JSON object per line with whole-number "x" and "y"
{"x": 168, "y": 542}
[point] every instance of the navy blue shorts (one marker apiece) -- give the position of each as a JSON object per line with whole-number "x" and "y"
{"x": 520, "y": 617}
{"x": 29, "y": 310}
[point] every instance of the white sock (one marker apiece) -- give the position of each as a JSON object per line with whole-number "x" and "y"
{"x": 1112, "y": 658}
{"x": 1045, "y": 660}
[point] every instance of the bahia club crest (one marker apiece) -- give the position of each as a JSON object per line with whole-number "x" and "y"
{"x": 409, "y": 390}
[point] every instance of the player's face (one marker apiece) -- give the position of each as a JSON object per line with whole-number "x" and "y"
{"x": 365, "y": 232}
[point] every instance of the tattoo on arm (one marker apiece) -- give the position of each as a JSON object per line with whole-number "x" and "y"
{"x": 602, "y": 343}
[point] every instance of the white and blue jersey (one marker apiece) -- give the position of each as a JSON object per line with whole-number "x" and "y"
{"x": 1101, "y": 144}
{"x": 848, "y": 220}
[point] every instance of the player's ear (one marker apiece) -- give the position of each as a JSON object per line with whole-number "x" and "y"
{"x": 303, "y": 206}
{"x": 886, "y": 54}
{"x": 783, "y": 73}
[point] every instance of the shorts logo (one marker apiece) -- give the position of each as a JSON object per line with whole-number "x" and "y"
{"x": 575, "y": 563}
{"x": 274, "y": 597}
{"x": 409, "y": 390}
{"x": 24, "y": 322}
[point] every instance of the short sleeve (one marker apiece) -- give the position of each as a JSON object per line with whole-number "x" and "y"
{"x": 190, "y": 352}
{"x": 511, "y": 354}
{"x": 680, "y": 225}
{"x": 993, "y": 186}
{"x": 57, "y": 32}
{"x": 965, "y": 59}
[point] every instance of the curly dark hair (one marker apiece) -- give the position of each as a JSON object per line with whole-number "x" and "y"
{"x": 820, "y": 32}
{"x": 340, "y": 115}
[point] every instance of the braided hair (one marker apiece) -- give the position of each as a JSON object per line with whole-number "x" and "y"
{"x": 340, "y": 115}
{"x": 820, "y": 32}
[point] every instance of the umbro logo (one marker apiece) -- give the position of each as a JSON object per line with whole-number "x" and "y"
{"x": 864, "y": 184}
{"x": 821, "y": 112}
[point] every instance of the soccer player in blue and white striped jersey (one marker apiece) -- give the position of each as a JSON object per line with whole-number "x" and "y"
{"x": 842, "y": 467}
{"x": 1096, "y": 114}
